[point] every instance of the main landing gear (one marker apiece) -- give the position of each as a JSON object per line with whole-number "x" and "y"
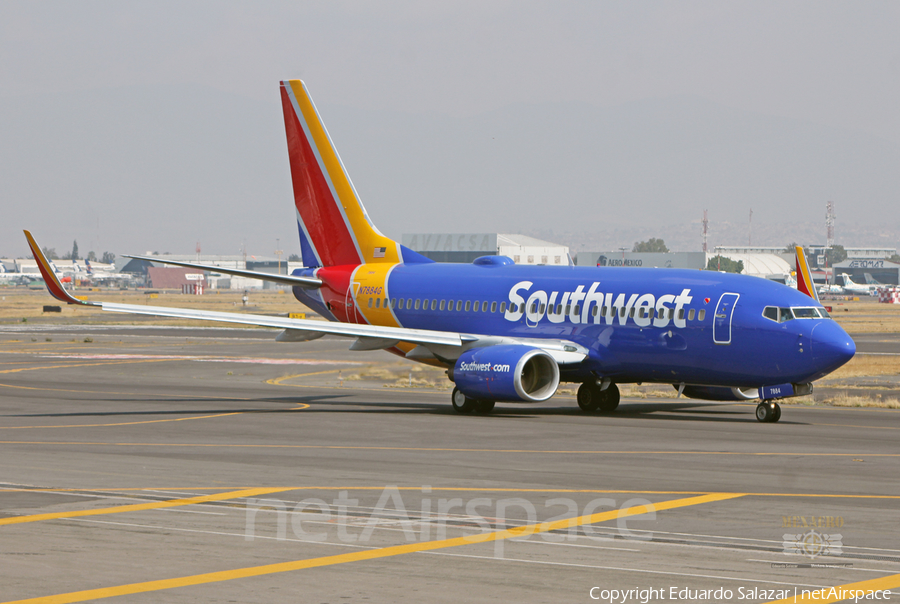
{"x": 464, "y": 404}
{"x": 592, "y": 398}
{"x": 768, "y": 412}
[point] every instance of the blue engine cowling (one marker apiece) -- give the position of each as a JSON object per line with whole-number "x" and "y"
{"x": 509, "y": 372}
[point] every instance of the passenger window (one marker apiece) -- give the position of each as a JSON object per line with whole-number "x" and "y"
{"x": 442, "y": 305}
{"x": 594, "y": 311}
{"x": 468, "y": 305}
{"x": 771, "y": 313}
{"x": 631, "y": 312}
{"x": 484, "y": 306}
{"x": 681, "y": 314}
{"x": 701, "y": 315}
{"x": 493, "y": 307}
{"x": 541, "y": 309}
{"x": 578, "y": 309}
{"x": 459, "y": 305}
{"x": 433, "y": 304}
{"x": 503, "y": 307}
{"x": 377, "y": 302}
{"x": 691, "y": 315}
{"x": 417, "y": 304}
{"x": 370, "y": 302}
{"x": 568, "y": 309}
{"x": 603, "y": 311}
{"x": 409, "y": 304}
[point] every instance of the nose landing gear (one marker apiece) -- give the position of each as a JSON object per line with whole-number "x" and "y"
{"x": 768, "y": 412}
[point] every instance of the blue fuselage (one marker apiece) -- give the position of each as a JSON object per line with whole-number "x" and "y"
{"x": 639, "y": 325}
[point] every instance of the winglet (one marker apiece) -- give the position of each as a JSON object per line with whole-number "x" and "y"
{"x": 804, "y": 278}
{"x": 53, "y": 285}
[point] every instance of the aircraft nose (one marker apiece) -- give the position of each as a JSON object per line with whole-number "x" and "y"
{"x": 831, "y": 345}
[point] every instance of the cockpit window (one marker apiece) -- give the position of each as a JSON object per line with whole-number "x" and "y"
{"x": 780, "y": 315}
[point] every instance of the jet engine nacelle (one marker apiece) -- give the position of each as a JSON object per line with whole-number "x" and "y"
{"x": 509, "y": 372}
{"x": 720, "y": 393}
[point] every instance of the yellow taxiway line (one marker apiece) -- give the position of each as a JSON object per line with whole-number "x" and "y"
{"x": 171, "y": 503}
{"x": 454, "y": 449}
{"x": 358, "y": 556}
{"x": 844, "y": 592}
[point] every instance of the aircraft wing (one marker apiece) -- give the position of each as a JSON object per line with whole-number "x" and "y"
{"x": 310, "y": 282}
{"x": 445, "y": 344}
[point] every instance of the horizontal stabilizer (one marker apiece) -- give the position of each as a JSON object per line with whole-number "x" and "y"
{"x": 309, "y": 282}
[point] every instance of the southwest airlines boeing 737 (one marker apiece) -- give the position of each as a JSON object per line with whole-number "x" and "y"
{"x": 513, "y": 333}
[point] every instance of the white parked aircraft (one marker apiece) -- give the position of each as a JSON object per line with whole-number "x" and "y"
{"x": 857, "y": 288}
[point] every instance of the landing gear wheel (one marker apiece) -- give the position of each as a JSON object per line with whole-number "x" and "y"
{"x": 610, "y": 399}
{"x": 591, "y": 398}
{"x": 588, "y": 397}
{"x": 484, "y": 407}
{"x": 462, "y": 403}
{"x": 768, "y": 412}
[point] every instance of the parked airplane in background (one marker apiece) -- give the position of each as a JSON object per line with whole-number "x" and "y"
{"x": 851, "y": 287}
{"x": 870, "y": 280}
{"x": 513, "y": 333}
{"x": 830, "y": 289}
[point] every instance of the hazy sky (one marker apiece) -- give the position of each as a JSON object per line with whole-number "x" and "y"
{"x": 835, "y": 64}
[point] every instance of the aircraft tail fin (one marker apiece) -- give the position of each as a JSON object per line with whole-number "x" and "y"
{"x": 804, "y": 277}
{"x": 334, "y": 226}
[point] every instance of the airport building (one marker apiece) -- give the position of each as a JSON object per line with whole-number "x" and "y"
{"x": 466, "y": 247}
{"x": 692, "y": 260}
{"x": 768, "y": 263}
{"x": 212, "y": 280}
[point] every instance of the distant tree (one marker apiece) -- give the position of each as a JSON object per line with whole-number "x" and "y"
{"x": 835, "y": 254}
{"x": 108, "y": 258}
{"x": 294, "y": 258}
{"x": 895, "y": 258}
{"x": 651, "y": 245}
{"x": 721, "y": 263}
{"x": 74, "y": 255}
{"x": 50, "y": 252}
{"x": 92, "y": 256}
{"x": 790, "y": 248}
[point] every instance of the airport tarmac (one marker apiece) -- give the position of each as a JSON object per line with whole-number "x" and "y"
{"x": 145, "y": 464}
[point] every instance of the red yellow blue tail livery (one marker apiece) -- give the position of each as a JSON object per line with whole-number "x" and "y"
{"x": 510, "y": 333}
